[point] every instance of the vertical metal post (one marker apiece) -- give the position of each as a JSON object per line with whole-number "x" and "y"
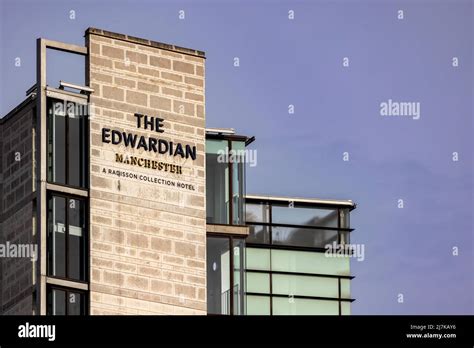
{"x": 40, "y": 170}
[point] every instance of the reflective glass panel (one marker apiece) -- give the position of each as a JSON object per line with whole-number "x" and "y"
{"x": 218, "y": 275}
{"x": 298, "y": 306}
{"x": 258, "y": 305}
{"x": 238, "y": 182}
{"x": 303, "y": 237}
{"x": 284, "y": 214}
{"x": 57, "y": 302}
{"x": 217, "y": 182}
{"x": 57, "y": 236}
{"x": 239, "y": 279}
{"x": 258, "y": 234}
{"x": 76, "y": 247}
{"x": 305, "y": 286}
{"x": 75, "y": 303}
{"x": 257, "y": 212}
{"x": 258, "y": 258}
{"x": 309, "y": 262}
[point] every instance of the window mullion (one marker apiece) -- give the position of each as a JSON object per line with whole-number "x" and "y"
{"x": 231, "y": 264}
{"x": 66, "y": 155}
{"x": 66, "y": 253}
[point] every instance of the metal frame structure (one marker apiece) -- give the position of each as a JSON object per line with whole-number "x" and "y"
{"x": 230, "y": 137}
{"x": 68, "y": 290}
{"x": 297, "y": 202}
{"x": 232, "y": 268}
{"x": 41, "y": 155}
{"x": 84, "y": 201}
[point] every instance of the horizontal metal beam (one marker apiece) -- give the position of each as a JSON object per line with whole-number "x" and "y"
{"x": 67, "y": 190}
{"x": 67, "y": 283}
{"x": 221, "y": 130}
{"x": 227, "y": 229}
{"x": 302, "y": 274}
{"x": 302, "y": 200}
{"x": 307, "y": 227}
{"x": 301, "y": 297}
{"x": 74, "y": 86}
{"x": 65, "y": 47}
{"x": 65, "y": 95}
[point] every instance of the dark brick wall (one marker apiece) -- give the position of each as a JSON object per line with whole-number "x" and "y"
{"x": 16, "y": 209}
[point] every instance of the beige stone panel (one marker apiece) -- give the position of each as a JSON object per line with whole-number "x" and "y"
{"x": 149, "y": 87}
{"x": 172, "y": 92}
{"x": 136, "y": 57}
{"x": 160, "y": 62}
{"x": 183, "y": 67}
{"x": 124, "y": 83}
{"x": 112, "y": 52}
{"x": 137, "y": 98}
{"x": 101, "y": 62}
{"x": 200, "y": 71}
{"x": 195, "y": 97}
{"x": 160, "y": 103}
{"x": 194, "y": 81}
{"x": 171, "y": 54}
{"x": 181, "y": 107}
{"x": 126, "y": 66}
{"x": 147, "y": 233}
{"x": 113, "y": 93}
{"x": 171, "y": 76}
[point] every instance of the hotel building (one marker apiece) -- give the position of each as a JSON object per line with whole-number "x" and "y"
{"x": 135, "y": 208}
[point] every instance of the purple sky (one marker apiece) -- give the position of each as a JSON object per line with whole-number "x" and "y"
{"x": 299, "y": 62}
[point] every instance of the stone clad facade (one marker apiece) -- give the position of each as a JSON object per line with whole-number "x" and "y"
{"x": 147, "y": 239}
{"x": 146, "y": 214}
{"x": 17, "y": 208}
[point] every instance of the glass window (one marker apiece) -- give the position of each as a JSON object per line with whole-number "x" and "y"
{"x": 76, "y": 239}
{"x": 298, "y": 306}
{"x": 258, "y": 305}
{"x": 225, "y": 182}
{"x": 258, "y": 282}
{"x": 258, "y": 234}
{"x": 345, "y": 288}
{"x": 67, "y": 148}
{"x": 218, "y": 275}
{"x": 76, "y": 147}
{"x": 217, "y": 182}
{"x": 305, "y": 285}
{"x": 75, "y": 303}
{"x": 257, "y": 212}
{"x": 284, "y": 214}
{"x": 66, "y": 242}
{"x": 304, "y": 237}
{"x": 238, "y": 182}
{"x": 225, "y": 275}
{"x": 56, "y": 143}
{"x": 345, "y": 308}
{"x": 344, "y": 215}
{"x": 258, "y": 258}
{"x": 239, "y": 279}
{"x": 57, "y": 236}
{"x": 65, "y": 302}
{"x": 308, "y": 262}
{"x": 57, "y": 302}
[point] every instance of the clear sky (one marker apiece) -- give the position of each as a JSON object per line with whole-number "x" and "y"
{"x": 408, "y": 250}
